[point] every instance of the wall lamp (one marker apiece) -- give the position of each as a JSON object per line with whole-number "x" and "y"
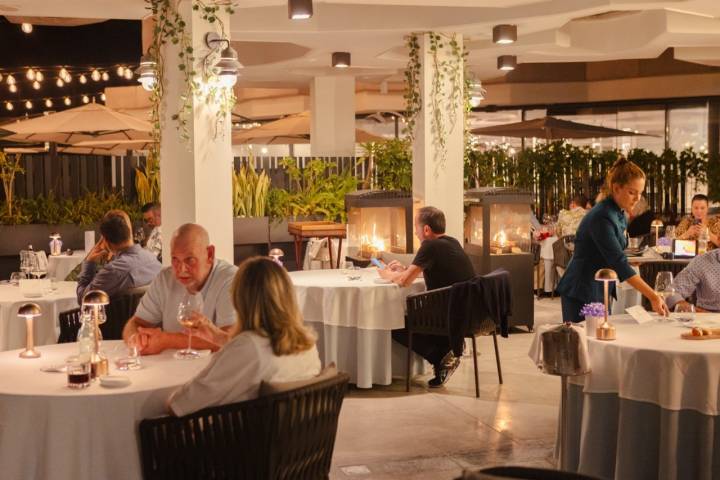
{"x": 147, "y": 72}
{"x": 227, "y": 66}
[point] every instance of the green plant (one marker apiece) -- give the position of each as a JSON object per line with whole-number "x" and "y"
{"x": 391, "y": 162}
{"x": 8, "y": 169}
{"x": 250, "y": 192}
{"x": 147, "y": 179}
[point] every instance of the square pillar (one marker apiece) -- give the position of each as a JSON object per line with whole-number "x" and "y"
{"x": 332, "y": 116}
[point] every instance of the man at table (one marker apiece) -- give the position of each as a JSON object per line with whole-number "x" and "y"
{"x": 194, "y": 269}
{"x": 153, "y": 217}
{"x": 443, "y": 262}
{"x": 701, "y": 277}
{"x": 128, "y": 266}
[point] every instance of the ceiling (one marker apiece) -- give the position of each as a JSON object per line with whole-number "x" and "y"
{"x": 288, "y": 53}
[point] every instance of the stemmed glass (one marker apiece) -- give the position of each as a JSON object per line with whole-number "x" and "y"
{"x": 663, "y": 285}
{"x": 190, "y": 305}
{"x": 25, "y": 262}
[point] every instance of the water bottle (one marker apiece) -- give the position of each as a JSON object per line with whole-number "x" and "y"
{"x": 703, "y": 241}
{"x": 86, "y": 337}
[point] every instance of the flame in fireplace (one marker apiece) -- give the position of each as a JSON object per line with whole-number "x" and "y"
{"x": 501, "y": 238}
{"x": 372, "y": 242}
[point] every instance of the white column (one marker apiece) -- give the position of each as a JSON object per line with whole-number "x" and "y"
{"x": 332, "y": 115}
{"x": 438, "y": 172}
{"x": 196, "y": 181}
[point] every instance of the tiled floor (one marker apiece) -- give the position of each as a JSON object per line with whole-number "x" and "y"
{"x": 385, "y": 433}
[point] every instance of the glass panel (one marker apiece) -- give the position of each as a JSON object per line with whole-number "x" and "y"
{"x": 474, "y": 226}
{"x": 651, "y": 122}
{"x": 377, "y": 229}
{"x": 509, "y": 228}
{"x": 688, "y": 127}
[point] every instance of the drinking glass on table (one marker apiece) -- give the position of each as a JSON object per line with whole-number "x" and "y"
{"x": 78, "y": 372}
{"x": 15, "y": 278}
{"x": 663, "y": 285}
{"x": 190, "y": 306}
{"x": 128, "y": 357}
{"x": 685, "y": 312}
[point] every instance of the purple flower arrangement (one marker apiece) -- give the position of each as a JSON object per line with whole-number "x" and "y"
{"x": 593, "y": 310}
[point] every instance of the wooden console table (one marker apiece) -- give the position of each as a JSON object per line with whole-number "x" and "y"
{"x": 322, "y": 229}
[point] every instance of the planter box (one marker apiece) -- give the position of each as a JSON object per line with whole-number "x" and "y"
{"x": 250, "y": 230}
{"x": 17, "y": 237}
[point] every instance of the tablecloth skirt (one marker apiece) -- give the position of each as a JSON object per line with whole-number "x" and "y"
{"x": 614, "y": 438}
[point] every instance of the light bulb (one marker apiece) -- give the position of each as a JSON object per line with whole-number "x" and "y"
{"x": 120, "y": 71}
{"x": 10, "y": 80}
{"x": 105, "y": 76}
{"x": 26, "y": 27}
{"x": 128, "y": 74}
{"x": 103, "y": 97}
{"x": 148, "y": 82}
{"x": 13, "y": 88}
{"x": 1, "y": 77}
{"x": 85, "y": 99}
{"x": 36, "y": 85}
{"x": 28, "y": 105}
{"x": 39, "y": 76}
{"x": 60, "y": 82}
{"x": 227, "y": 79}
{"x": 30, "y": 75}
{"x": 9, "y": 106}
{"x": 67, "y": 101}
{"x": 63, "y": 72}
{"x": 95, "y": 75}
{"x": 82, "y": 79}
{"x": 67, "y": 78}
{"x": 48, "y": 103}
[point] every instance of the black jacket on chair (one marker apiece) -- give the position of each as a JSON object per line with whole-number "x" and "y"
{"x": 473, "y": 301}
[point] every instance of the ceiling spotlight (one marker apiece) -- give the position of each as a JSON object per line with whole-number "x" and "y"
{"x": 83, "y": 79}
{"x": 39, "y": 76}
{"x": 506, "y": 62}
{"x": 28, "y": 105}
{"x": 67, "y": 101}
{"x": 95, "y": 75}
{"x": 341, "y": 59}
{"x": 12, "y": 87}
{"x": 26, "y": 27}
{"x": 300, "y": 9}
{"x": 105, "y": 76}
{"x": 60, "y": 82}
{"x": 30, "y": 75}
{"x": 146, "y": 72}
{"x": 85, "y": 99}
{"x": 9, "y": 106}
{"x": 128, "y": 74}
{"x": 120, "y": 71}
{"x": 36, "y": 85}
{"x": 10, "y": 80}
{"x": 103, "y": 97}
{"x": 48, "y": 103}
{"x": 504, "y": 34}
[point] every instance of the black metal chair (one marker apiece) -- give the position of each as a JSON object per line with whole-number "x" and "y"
{"x": 284, "y": 436}
{"x": 562, "y": 253}
{"x": 69, "y": 321}
{"x": 119, "y": 311}
{"x": 539, "y": 284}
{"x": 427, "y": 313}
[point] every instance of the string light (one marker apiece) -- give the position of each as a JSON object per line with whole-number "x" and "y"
{"x": 85, "y": 99}
{"x": 26, "y": 27}
{"x": 28, "y": 105}
{"x": 68, "y": 78}
{"x": 12, "y": 87}
{"x": 30, "y": 74}
{"x": 95, "y": 75}
{"x": 48, "y": 103}
{"x": 83, "y": 79}
{"x": 120, "y": 71}
{"x": 67, "y": 101}
{"x": 63, "y": 72}
{"x": 128, "y": 74}
{"x": 60, "y": 82}
{"x": 1, "y": 77}
{"x": 39, "y": 76}
{"x": 105, "y": 76}
{"x": 36, "y": 85}
{"x": 103, "y": 97}
{"x": 9, "y": 106}
{"x": 10, "y": 80}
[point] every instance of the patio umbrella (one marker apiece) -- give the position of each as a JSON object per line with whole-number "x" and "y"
{"x": 119, "y": 147}
{"x": 551, "y": 128}
{"x": 292, "y": 129}
{"x": 88, "y": 122}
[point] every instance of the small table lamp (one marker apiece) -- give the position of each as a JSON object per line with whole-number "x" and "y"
{"x": 657, "y": 224}
{"x": 29, "y": 311}
{"x": 55, "y": 244}
{"x": 97, "y": 299}
{"x": 606, "y": 331}
{"x": 275, "y": 254}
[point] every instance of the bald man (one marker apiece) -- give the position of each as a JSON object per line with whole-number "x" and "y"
{"x": 194, "y": 269}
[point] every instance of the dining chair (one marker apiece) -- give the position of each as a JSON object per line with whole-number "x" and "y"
{"x": 69, "y": 321}
{"x": 427, "y": 313}
{"x": 563, "y": 249}
{"x": 119, "y": 311}
{"x": 282, "y": 436}
{"x": 535, "y": 248}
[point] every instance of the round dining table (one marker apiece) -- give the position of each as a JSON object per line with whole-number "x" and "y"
{"x": 650, "y": 408}
{"x": 12, "y": 328}
{"x": 59, "y": 266}
{"x": 48, "y": 430}
{"x": 354, "y": 319}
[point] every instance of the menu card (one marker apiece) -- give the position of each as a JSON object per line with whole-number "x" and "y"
{"x": 639, "y": 314}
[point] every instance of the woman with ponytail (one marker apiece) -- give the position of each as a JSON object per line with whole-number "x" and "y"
{"x": 600, "y": 243}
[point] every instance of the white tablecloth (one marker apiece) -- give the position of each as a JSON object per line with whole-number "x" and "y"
{"x": 60, "y": 265}
{"x": 12, "y": 328}
{"x": 50, "y": 431}
{"x": 354, "y": 319}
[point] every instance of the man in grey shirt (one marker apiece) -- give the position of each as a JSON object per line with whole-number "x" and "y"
{"x": 130, "y": 265}
{"x": 701, "y": 277}
{"x": 194, "y": 270}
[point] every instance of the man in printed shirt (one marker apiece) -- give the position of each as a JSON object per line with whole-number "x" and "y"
{"x": 568, "y": 220}
{"x": 152, "y": 216}
{"x": 701, "y": 277}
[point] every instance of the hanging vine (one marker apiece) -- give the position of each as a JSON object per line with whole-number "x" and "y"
{"x": 413, "y": 99}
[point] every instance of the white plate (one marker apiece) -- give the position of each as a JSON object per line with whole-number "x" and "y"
{"x": 382, "y": 281}
{"x": 114, "y": 381}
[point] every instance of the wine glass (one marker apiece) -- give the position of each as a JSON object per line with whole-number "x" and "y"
{"x": 347, "y": 268}
{"x": 663, "y": 285}
{"x": 685, "y": 312}
{"x": 25, "y": 262}
{"x": 15, "y": 278}
{"x": 190, "y": 305}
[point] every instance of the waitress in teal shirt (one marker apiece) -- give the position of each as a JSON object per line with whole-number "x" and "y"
{"x": 600, "y": 243}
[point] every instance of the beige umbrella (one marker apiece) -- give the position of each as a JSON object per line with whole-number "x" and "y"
{"x": 292, "y": 129}
{"x": 70, "y": 150}
{"x": 118, "y": 146}
{"x": 88, "y": 122}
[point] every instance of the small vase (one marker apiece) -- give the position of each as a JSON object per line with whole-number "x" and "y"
{"x": 591, "y": 324}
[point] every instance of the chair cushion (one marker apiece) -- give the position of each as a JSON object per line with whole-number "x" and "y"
{"x": 270, "y": 388}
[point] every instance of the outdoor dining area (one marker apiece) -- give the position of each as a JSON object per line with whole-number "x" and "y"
{"x": 322, "y": 240}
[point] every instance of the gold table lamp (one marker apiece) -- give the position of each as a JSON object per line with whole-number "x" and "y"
{"x": 606, "y": 331}
{"x": 29, "y": 311}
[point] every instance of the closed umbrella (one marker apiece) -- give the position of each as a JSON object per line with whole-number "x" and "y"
{"x": 551, "y": 128}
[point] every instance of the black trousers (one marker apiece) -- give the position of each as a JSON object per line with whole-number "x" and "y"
{"x": 432, "y": 348}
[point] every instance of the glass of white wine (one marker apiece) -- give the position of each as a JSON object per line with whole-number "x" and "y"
{"x": 663, "y": 285}
{"x": 190, "y": 305}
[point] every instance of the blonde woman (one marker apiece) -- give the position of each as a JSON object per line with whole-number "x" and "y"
{"x": 269, "y": 342}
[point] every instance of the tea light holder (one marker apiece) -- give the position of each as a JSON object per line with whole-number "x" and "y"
{"x": 276, "y": 254}
{"x": 96, "y": 299}
{"x": 55, "y": 244}
{"x": 606, "y": 331}
{"x": 657, "y": 224}
{"x": 29, "y": 311}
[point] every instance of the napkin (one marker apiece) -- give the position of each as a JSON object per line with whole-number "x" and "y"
{"x": 535, "y": 352}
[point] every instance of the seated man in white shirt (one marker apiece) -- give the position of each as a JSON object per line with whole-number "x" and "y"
{"x": 194, "y": 269}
